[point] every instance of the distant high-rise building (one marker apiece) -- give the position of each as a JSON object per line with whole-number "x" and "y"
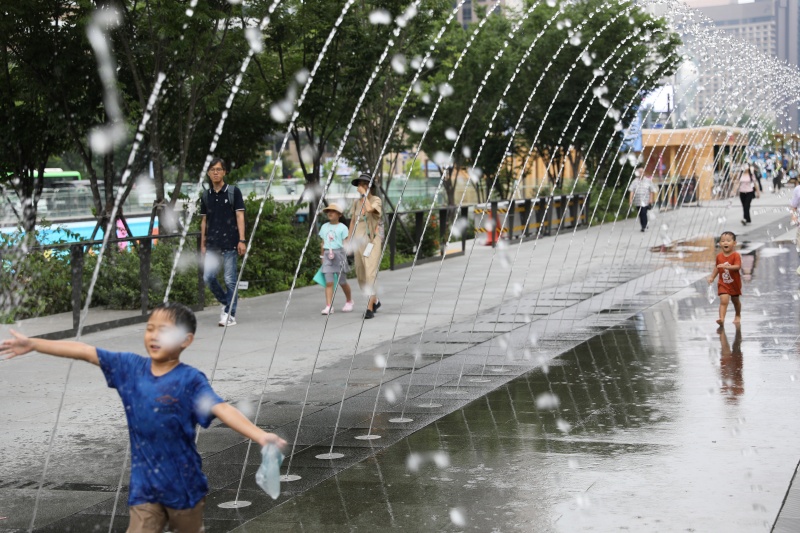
{"x": 468, "y": 13}
{"x": 771, "y": 26}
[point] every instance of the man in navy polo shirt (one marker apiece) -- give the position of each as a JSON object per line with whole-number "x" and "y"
{"x": 222, "y": 238}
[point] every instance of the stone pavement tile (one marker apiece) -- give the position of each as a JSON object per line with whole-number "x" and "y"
{"x": 18, "y": 505}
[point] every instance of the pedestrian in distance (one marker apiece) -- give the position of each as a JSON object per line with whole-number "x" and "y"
{"x": 334, "y": 236}
{"x": 222, "y": 238}
{"x": 777, "y": 179}
{"x": 366, "y": 232}
{"x": 749, "y": 189}
{"x": 164, "y": 401}
{"x": 642, "y": 195}
{"x": 727, "y": 266}
{"x": 794, "y": 207}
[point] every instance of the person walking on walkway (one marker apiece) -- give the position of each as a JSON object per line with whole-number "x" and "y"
{"x": 642, "y": 195}
{"x": 222, "y": 238}
{"x": 334, "y": 235}
{"x": 366, "y": 232}
{"x": 794, "y": 206}
{"x": 749, "y": 186}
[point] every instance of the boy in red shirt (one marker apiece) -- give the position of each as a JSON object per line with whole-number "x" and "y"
{"x": 728, "y": 264}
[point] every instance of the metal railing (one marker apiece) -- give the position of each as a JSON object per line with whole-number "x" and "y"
{"x": 77, "y": 253}
{"x": 566, "y": 211}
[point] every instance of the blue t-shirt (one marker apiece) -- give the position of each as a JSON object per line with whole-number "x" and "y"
{"x": 333, "y": 235}
{"x": 162, "y": 413}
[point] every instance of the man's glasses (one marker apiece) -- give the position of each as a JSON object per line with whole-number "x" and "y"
{"x": 216, "y": 170}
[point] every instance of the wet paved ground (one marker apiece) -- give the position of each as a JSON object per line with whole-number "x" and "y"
{"x": 642, "y": 423}
{"x": 675, "y": 426}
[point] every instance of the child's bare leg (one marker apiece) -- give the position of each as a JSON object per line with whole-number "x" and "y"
{"x": 347, "y": 293}
{"x": 328, "y": 293}
{"x": 737, "y": 307}
{"x": 723, "y": 308}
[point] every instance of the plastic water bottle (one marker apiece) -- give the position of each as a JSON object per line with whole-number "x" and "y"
{"x": 268, "y": 476}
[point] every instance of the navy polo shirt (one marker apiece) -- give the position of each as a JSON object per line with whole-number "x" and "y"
{"x": 221, "y": 230}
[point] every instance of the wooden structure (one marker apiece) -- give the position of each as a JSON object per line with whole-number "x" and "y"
{"x": 674, "y": 155}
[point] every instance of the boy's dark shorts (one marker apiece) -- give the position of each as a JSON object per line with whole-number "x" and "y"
{"x": 152, "y": 517}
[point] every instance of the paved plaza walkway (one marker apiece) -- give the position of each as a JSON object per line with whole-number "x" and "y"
{"x": 653, "y": 426}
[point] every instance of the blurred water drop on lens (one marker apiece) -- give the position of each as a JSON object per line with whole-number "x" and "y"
{"x": 451, "y": 134}
{"x": 573, "y": 464}
{"x": 457, "y": 517}
{"x": 380, "y": 361}
{"x": 380, "y": 16}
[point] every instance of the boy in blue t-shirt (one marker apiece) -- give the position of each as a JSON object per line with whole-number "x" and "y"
{"x": 164, "y": 401}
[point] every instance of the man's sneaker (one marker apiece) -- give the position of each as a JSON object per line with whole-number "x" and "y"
{"x": 222, "y": 314}
{"x": 327, "y": 310}
{"x": 369, "y": 314}
{"x": 348, "y": 306}
{"x": 231, "y": 321}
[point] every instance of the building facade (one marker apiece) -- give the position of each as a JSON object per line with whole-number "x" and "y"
{"x": 771, "y": 26}
{"x": 470, "y": 10}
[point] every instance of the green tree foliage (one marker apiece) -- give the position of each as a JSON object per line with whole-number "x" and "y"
{"x": 42, "y": 47}
{"x": 560, "y": 71}
{"x": 294, "y": 40}
{"x": 600, "y": 25}
{"x": 278, "y": 243}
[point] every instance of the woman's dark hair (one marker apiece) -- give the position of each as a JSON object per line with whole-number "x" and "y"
{"x": 182, "y": 316}
{"x": 373, "y": 189}
{"x": 220, "y": 161}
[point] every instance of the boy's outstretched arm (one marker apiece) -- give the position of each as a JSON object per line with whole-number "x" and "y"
{"x": 234, "y": 419}
{"x": 19, "y": 344}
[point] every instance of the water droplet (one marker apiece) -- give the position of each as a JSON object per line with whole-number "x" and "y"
{"x": 399, "y": 63}
{"x": 380, "y": 361}
{"x": 255, "y": 39}
{"x": 445, "y": 89}
{"x": 451, "y": 134}
{"x": 441, "y": 459}
{"x": 413, "y": 462}
{"x": 457, "y": 517}
{"x": 442, "y": 159}
{"x": 547, "y": 401}
{"x": 418, "y": 125}
{"x": 380, "y": 16}
{"x": 563, "y": 426}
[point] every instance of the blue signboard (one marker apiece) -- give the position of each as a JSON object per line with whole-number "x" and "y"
{"x": 633, "y": 135}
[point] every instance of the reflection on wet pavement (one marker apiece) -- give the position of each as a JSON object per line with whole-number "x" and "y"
{"x": 663, "y": 423}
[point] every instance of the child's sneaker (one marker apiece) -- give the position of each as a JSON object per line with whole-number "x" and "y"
{"x": 348, "y": 306}
{"x": 327, "y": 310}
